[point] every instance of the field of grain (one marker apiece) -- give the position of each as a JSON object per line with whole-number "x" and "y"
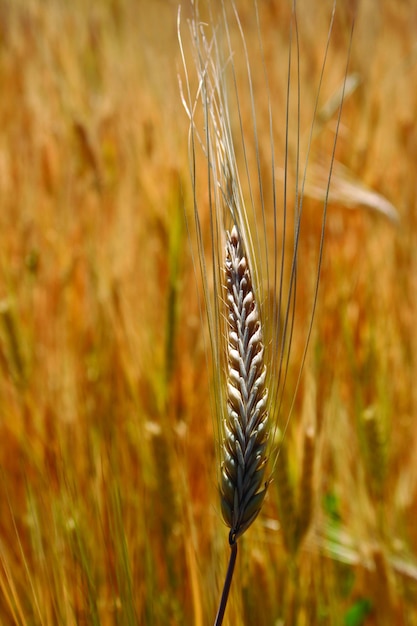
{"x": 109, "y": 507}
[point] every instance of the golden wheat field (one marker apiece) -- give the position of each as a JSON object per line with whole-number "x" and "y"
{"x": 109, "y": 507}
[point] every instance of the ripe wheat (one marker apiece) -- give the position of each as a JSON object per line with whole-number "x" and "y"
{"x": 246, "y": 424}
{"x": 249, "y": 275}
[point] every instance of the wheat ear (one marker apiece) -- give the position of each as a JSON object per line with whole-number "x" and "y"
{"x": 245, "y": 428}
{"x": 245, "y": 425}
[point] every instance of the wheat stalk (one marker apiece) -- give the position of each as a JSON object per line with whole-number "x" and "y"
{"x": 246, "y": 287}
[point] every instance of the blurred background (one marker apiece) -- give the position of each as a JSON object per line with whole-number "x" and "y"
{"x": 109, "y": 511}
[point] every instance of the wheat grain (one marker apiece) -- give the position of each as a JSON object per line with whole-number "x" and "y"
{"x": 245, "y": 426}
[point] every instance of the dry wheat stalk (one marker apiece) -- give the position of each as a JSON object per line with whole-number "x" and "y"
{"x": 246, "y": 424}
{"x": 374, "y": 450}
{"x": 306, "y": 488}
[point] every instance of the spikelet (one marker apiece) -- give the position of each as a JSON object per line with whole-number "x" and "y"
{"x": 245, "y": 432}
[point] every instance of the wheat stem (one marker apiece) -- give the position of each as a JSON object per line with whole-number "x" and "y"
{"x": 285, "y": 496}
{"x": 374, "y": 452}
{"x": 227, "y": 582}
{"x": 306, "y": 489}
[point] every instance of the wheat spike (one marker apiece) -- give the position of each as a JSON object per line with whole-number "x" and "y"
{"x": 245, "y": 425}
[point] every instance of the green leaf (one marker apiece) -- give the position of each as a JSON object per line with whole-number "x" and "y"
{"x": 356, "y": 615}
